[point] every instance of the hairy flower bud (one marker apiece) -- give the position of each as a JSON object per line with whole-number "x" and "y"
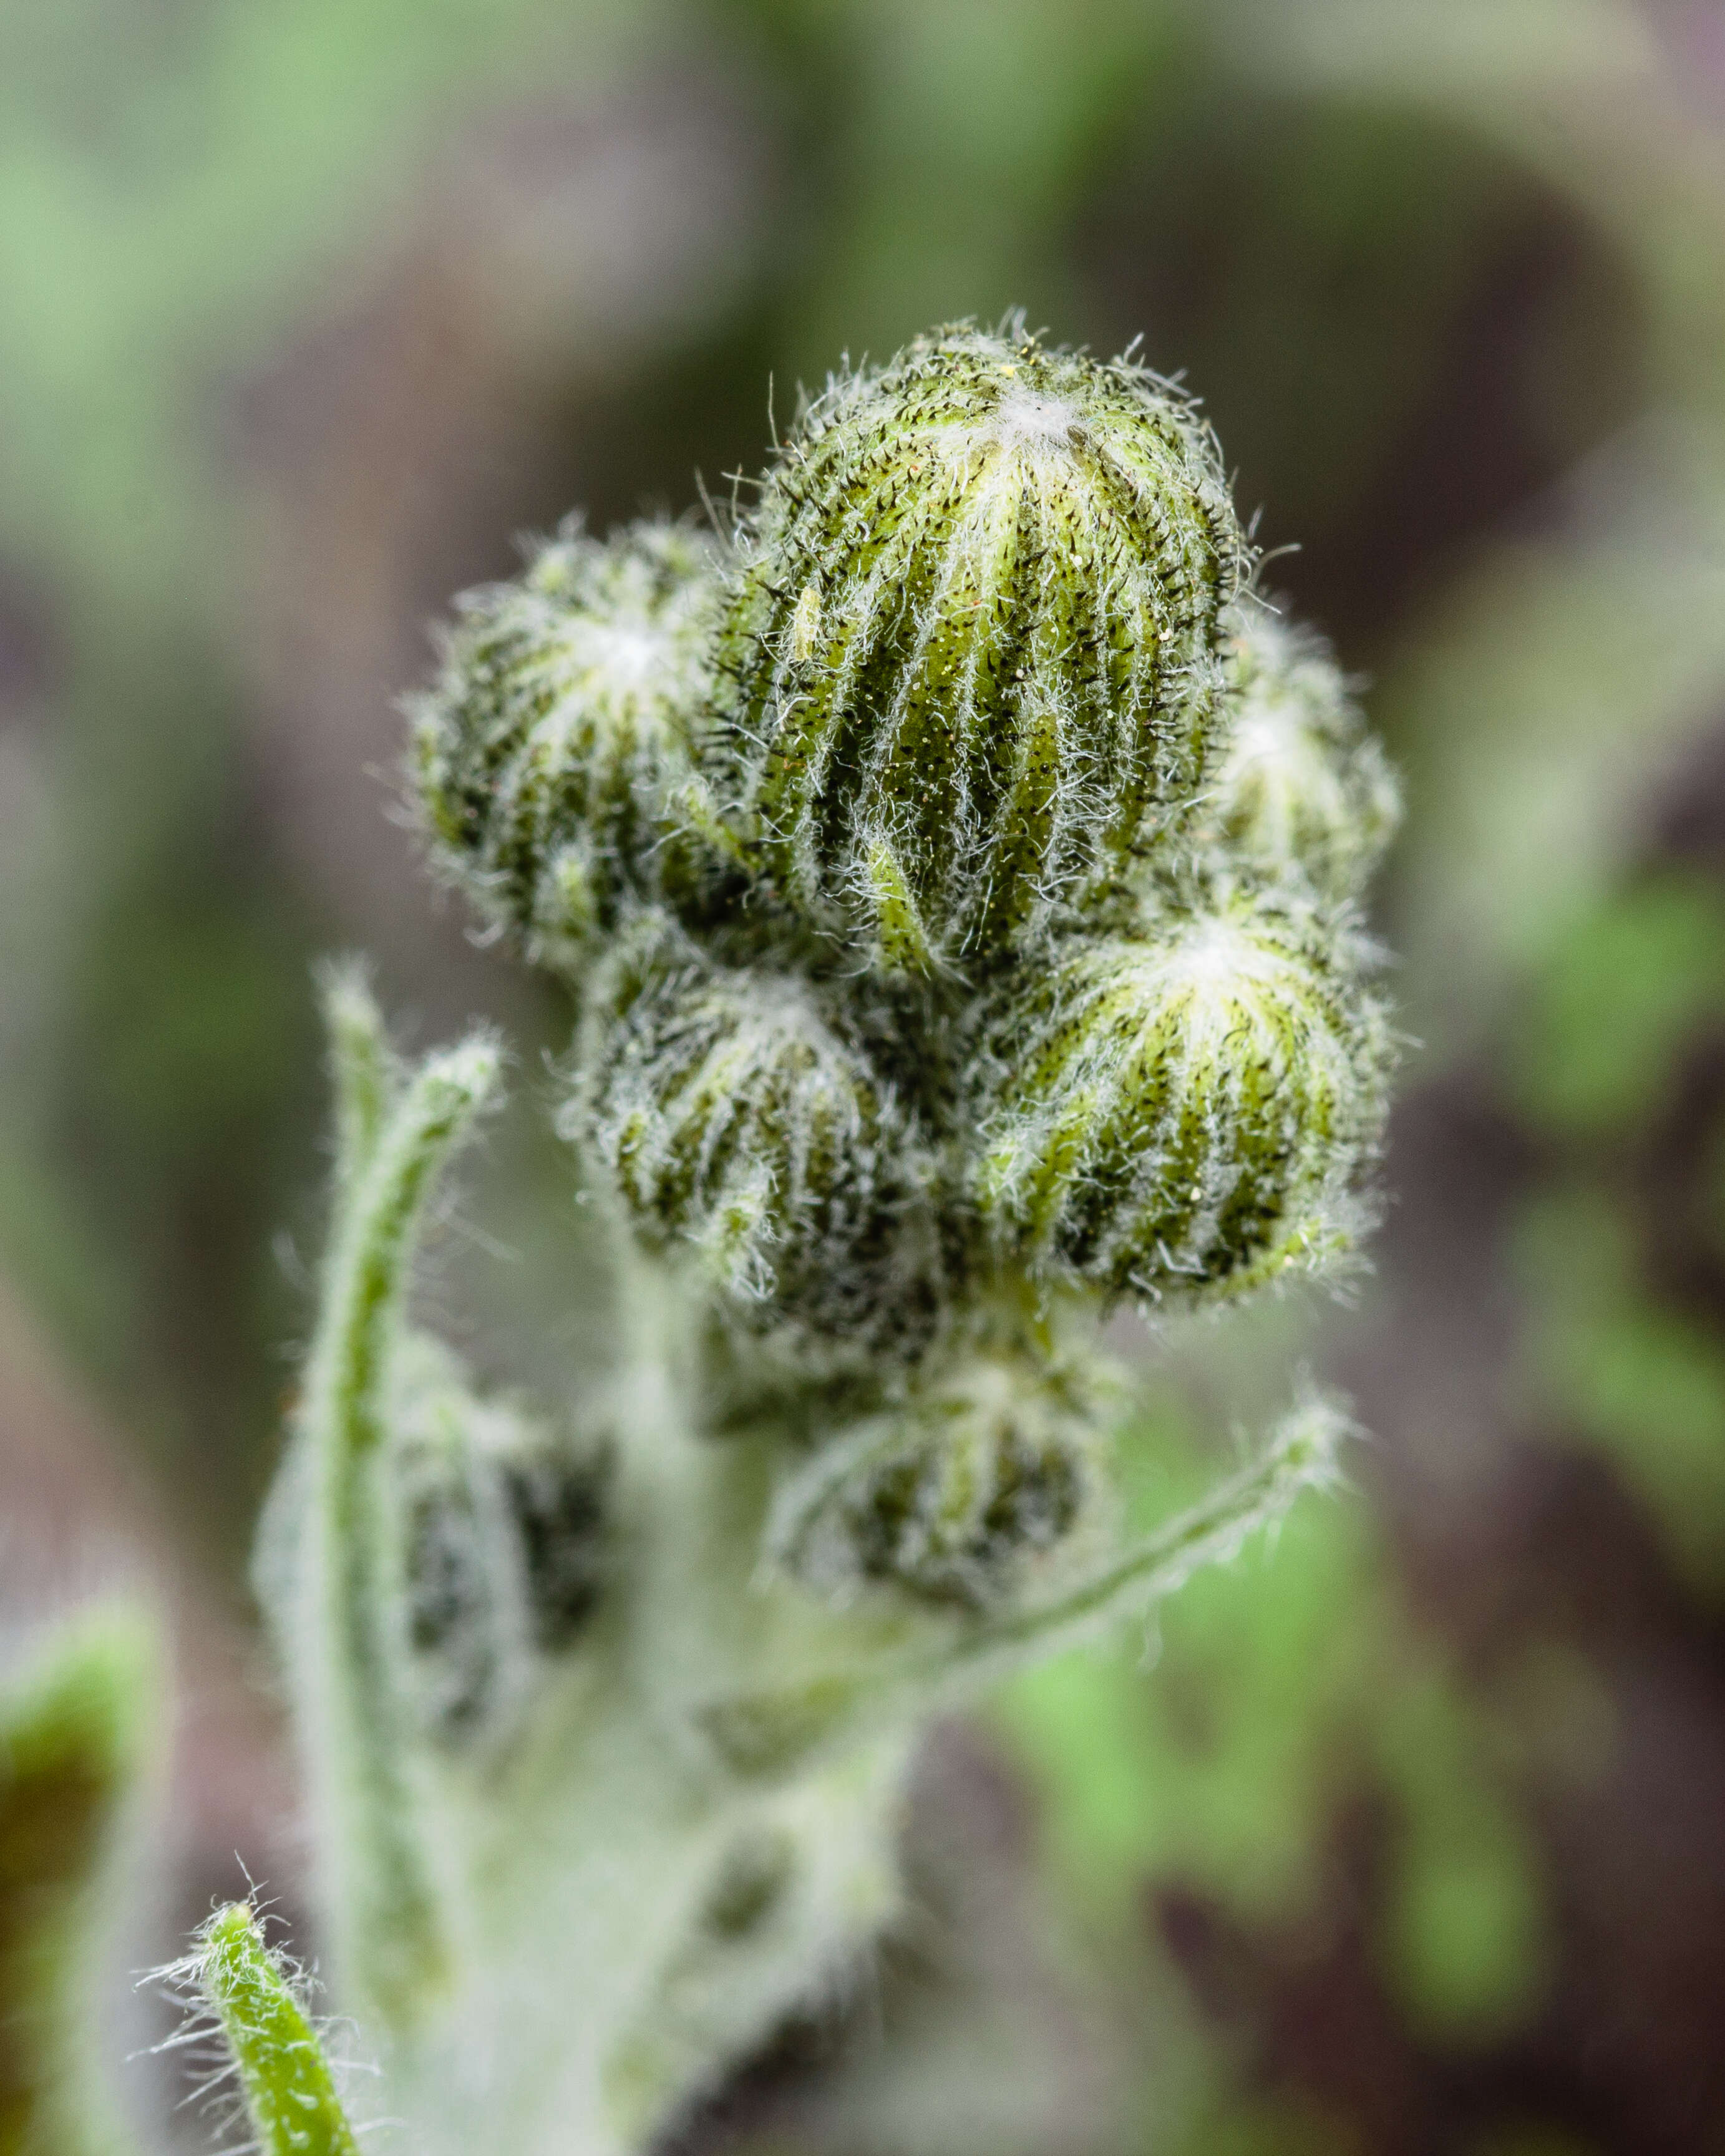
{"x": 1300, "y": 788}
{"x": 951, "y": 1496}
{"x": 1186, "y": 1112}
{"x": 735, "y": 1117}
{"x": 502, "y": 1537}
{"x": 553, "y": 752}
{"x": 974, "y": 641}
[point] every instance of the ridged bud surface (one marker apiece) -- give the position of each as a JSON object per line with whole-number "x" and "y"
{"x": 959, "y": 864}
{"x": 950, "y": 1498}
{"x": 1188, "y": 1112}
{"x": 1299, "y": 788}
{"x": 552, "y": 751}
{"x": 734, "y": 1117}
{"x": 974, "y": 647}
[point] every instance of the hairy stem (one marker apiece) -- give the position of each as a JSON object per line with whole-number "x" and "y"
{"x": 387, "y": 1929}
{"x": 289, "y": 2094}
{"x": 1302, "y": 1456}
{"x": 362, "y": 1065}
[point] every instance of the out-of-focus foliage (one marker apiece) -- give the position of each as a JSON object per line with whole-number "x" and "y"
{"x": 1273, "y": 1713}
{"x": 1410, "y": 1837}
{"x": 1621, "y": 1064}
{"x": 1271, "y": 1710}
{"x": 75, "y": 1732}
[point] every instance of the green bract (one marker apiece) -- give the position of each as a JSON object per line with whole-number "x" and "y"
{"x": 952, "y": 1496}
{"x": 501, "y": 1546}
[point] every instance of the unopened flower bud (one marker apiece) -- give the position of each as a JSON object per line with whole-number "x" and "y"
{"x": 1299, "y": 788}
{"x": 1188, "y": 1112}
{"x": 953, "y": 1496}
{"x": 736, "y": 1118}
{"x": 502, "y": 1535}
{"x": 553, "y": 753}
{"x": 973, "y": 644}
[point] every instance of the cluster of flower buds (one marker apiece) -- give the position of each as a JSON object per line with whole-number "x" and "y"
{"x": 958, "y": 864}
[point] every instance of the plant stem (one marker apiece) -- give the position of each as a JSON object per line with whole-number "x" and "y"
{"x": 381, "y": 1902}
{"x": 288, "y": 2091}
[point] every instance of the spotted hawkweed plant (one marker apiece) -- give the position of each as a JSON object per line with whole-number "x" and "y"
{"x": 955, "y": 865}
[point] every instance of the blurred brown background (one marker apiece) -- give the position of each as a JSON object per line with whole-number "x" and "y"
{"x": 1408, "y": 1837}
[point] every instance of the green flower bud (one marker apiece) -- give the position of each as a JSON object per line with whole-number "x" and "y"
{"x": 735, "y": 1117}
{"x": 953, "y": 1497}
{"x": 502, "y": 1537}
{"x": 974, "y": 643}
{"x": 1300, "y": 788}
{"x": 1186, "y": 1112}
{"x": 553, "y": 755}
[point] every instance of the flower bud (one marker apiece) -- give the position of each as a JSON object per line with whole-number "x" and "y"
{"x": 1188, "y": 1112}
{"x": 974, "y": 642}
{"x": 502, "y": 1537}
{"x": 952, "y": 1497}
{"x": 735, "y": 1117}
{"x": 551, "y": 754}
{"x": 1300, "y": 788}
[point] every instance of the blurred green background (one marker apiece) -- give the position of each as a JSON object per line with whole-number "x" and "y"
{"x": 1408, "y": 1836}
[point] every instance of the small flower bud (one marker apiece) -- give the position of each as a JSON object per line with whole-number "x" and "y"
{"x": 1300, "y": 788}
{"x": 555, "y": 1496}
{"x": 735, "y": 1117}
{"x": 502, "y": 1524}
{"x": 952, "y": 1497}
{"x": 974, "y": 641}
{"x": 551, "y": 754}
{"x": 1188, "y": 1112}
